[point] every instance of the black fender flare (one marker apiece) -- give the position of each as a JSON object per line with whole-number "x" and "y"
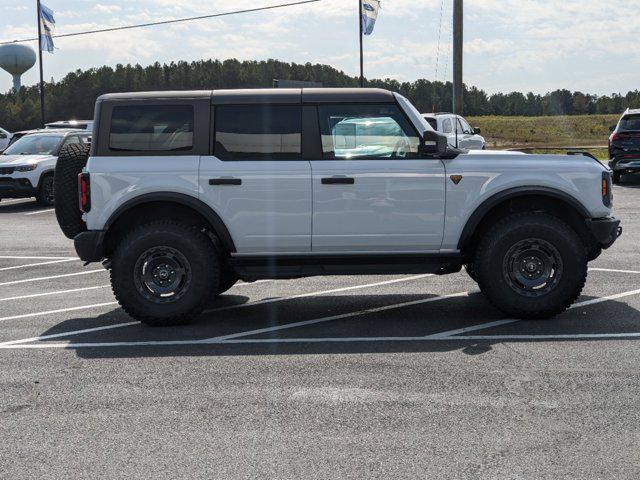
{"x": 220, "y": 229}
{"x": 485, "y": 207}
{"x": 50, "y": 171}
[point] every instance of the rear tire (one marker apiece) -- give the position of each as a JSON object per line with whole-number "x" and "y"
{"x": 163, "y": 273}
{"x": 71, "y": 161}
{"x": 531, "y": 266}
{"x": 46, "y": 191}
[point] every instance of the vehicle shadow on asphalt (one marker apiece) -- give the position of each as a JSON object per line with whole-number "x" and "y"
{"x": 612, "y": 317}
{"x": 20, "y": 207}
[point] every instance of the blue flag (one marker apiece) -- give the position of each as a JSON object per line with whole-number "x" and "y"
{"x": 369, "y": 15}
{"x": 48, "y": 26}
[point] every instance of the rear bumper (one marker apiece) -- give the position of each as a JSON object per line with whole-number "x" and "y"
{"x": 605, "y": 230}
{"x": 625, "y": 165}
{"x": 90, "y": 245}
{"x": 16, "y": 188}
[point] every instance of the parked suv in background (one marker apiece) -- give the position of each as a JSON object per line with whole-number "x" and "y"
{"x": 184, "y": 193}
{"x": 27, "y": 166}
{"x": 5, "y": 138}
{"x": 71, "y": 124}
{"x": 624, "y": 145}
{"x": 457, "y": 130}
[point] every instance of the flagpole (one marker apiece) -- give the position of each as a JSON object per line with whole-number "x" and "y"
{"x": 361, "y": 50}
{"x": 41, "y": 72}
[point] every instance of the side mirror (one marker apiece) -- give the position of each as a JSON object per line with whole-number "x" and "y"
{"x": 477, "y": 131}
{"x": 433, "y": 143}
{"x": 612, "y": 128}
{"x": 3, "y": 136}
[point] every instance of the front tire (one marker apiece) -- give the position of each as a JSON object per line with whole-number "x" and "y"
{"x": 531, "y": 266}
{"x": 46, "y": 192}
{"x": 163, "y": 273}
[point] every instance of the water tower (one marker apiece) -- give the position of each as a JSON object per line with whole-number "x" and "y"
{"x": 16, "y": 59}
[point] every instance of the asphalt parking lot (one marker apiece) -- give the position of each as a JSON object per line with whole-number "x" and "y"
{"x": 336, "y": 377}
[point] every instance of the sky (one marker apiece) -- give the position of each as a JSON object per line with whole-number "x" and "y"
{"x": 510, "y": 45}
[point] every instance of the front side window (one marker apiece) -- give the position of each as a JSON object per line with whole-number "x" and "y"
{"x": 258, "y": 132}
{"x": 152, "y": 128}
{"x": 464, "y": 126}
{"x": 447, "y": 126}
{"x": 366, "y": 132}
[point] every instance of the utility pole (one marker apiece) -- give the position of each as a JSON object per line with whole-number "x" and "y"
{"x": 40, "y": 58}
{"x": 458, "y": 39}
{"x": 361, "y": 48}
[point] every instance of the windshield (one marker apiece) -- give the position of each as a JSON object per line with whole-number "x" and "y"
{"x": 34, "y": 145}
{"x": 630, "y": 123}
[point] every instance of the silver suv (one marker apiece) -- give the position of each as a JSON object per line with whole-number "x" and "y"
{"x": 184, "y": 193}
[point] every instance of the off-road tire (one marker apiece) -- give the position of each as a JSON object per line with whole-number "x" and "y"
{"x": 193, "y": 245}
{"x": 43, "y": 197}
{"x": 71, "y": 161}
{"x": 494, "y": 280}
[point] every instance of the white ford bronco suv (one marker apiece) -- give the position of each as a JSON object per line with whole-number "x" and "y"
{"x": 184, "y": 193}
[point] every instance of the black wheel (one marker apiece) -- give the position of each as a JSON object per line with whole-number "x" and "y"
{"x": 531, "y": 266}
{"x": 163, "y": 273}
{"x": 45, "y": 196}
{"x": 228, "y": 278}
{"x": 71, "y": 161}
{"x": 616, "y": 178}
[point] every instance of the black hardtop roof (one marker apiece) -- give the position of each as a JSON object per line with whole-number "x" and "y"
{"x": 265, "y": 95}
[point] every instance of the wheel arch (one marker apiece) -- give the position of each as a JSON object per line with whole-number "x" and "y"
{"x": 520, "y": 199}
{"x": 167, "y": 205}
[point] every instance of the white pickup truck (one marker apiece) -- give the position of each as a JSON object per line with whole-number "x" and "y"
{"x": 184, "y": 193}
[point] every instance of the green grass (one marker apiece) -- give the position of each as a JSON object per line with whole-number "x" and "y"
{"x": 562, "y": 131}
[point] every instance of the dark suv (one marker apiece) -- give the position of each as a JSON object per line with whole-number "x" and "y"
{"x": 624, "y": 145}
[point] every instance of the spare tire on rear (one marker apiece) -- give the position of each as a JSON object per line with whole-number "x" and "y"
{"x": 71, "y": 161}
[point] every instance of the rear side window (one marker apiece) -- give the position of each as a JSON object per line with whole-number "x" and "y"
{"x": 258, "y": 132}
{"x": 152, "y": 128}
{"x": 433, "y": 122}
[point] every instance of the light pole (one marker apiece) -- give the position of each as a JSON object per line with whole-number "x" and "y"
{"x": 458, "y": 39}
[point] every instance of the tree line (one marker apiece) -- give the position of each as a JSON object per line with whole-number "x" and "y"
{"x": 74, "y": 96}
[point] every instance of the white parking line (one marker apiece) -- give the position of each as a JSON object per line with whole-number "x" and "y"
{"x": 59, "y": 292}
{"x": 62, "y": 310}
{"x": 40, "y": 212}
{"x": 20, "y": 257}
{"x": 613, "y": 270}
{"x": 53, "y": 277}
{"x": 40, "y": 264}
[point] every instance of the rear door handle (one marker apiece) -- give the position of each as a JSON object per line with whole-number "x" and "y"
{"x": 225, "y": 181}
{"x": 338, "y": 181}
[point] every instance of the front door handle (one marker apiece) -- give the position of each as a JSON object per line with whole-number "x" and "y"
{"x": 225, "y": 181}
{"x": 338, "y": 181}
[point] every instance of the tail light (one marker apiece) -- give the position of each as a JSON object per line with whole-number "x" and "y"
{"x": 607, "y": 192}
{"x": 614, "y": 136}
{"x": 84, "y": 192}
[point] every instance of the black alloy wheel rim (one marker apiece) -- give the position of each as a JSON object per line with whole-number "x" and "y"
{"x": 48, "y": 190}
{"x": 532, "y": 267}
{"x": 162, "y": 275}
